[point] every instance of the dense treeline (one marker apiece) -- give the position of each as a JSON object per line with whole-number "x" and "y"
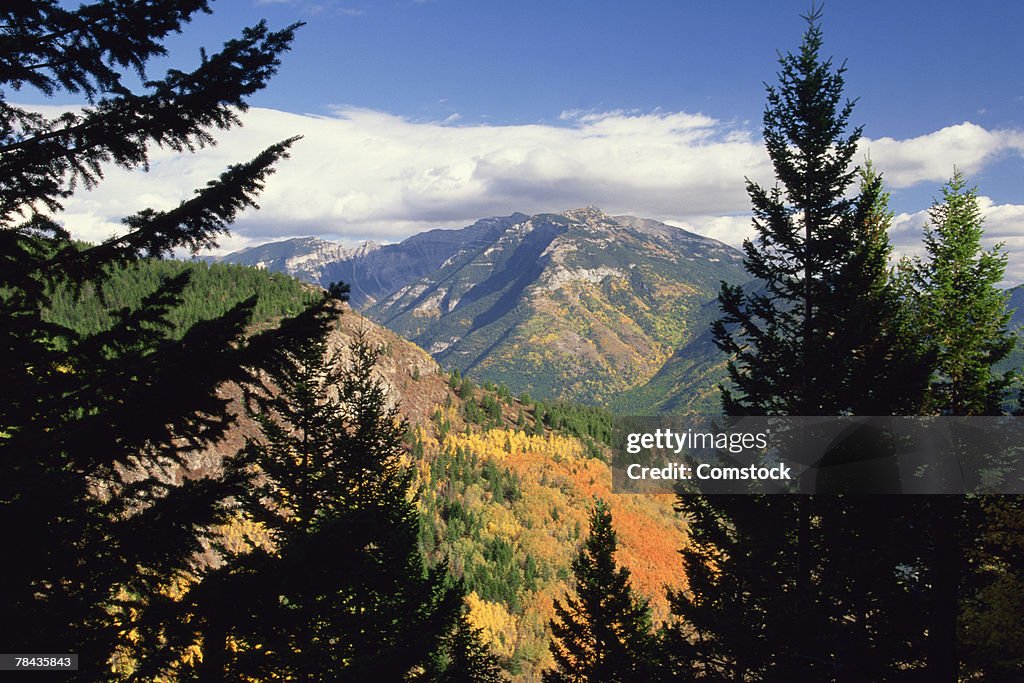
{"x": 340, "y": 591}
{"x": 590, "y": 424}
{"x": 497, "y": 573}
{"x": 212, "y": 290}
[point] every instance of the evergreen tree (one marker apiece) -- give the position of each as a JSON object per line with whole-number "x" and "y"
{"x": 464, "y": 658}
{"x": 961, "y": 309}
{"x": 94, "y": 426}
{"x": 738, "y": 608}
{"x": 990, "y": 629}
{"x": 342, "y": 594}
{"x": 962, "y": 313}
{"x": 604, "y": 632}
{"x": 818, "y": 337}
{"x": 886, "y": 362}
{"x": 773, "y": 594}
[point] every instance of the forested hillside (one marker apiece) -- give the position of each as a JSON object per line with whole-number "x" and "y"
{"x": 505, "y": 485}
{"x": 508, "y": 507}
{"x": 505, "y": 489}
{"x": 212, "y": 291}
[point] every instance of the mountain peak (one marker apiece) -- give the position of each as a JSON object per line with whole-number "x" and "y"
{"x": 588, "y": 214}
{"x": 576, "y": 304}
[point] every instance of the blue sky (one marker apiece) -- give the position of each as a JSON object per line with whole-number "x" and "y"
{"x": 915, "y": 66}
{"x": 426, "y": 113}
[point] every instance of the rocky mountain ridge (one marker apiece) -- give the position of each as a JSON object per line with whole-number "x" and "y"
{"x": 306, "y": 258}
{"x": 578, "y": 304}
{"x": 372, "y": 270}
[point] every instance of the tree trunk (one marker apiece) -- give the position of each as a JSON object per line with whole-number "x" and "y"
{"x": 943, "y": 662}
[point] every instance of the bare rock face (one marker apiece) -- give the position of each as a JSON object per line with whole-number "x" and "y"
{"x": 372, "y": 270}
{"x": 414, "y": 383}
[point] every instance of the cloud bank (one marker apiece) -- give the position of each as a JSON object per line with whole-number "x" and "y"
{"x": 363, "y": 174}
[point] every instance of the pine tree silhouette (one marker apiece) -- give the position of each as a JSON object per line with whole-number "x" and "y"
{"x": 603, "y": 633}
{"x": 342, "y": 594}
{"x": 94, "y": 427}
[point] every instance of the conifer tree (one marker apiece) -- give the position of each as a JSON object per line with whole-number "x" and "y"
{"x": 962, "y": 313}
{"x": 991, "y": 631}
{"x": 962, "y": 310}
{"x": 817, "y": 337}
{"x": 463, "y": 658}
{"x": 94, "y": 427}
{"x": 824, "y": 334}
{"x": 604, "y": 632}
{"x": 886, "y": 363}
{"x": 342, "y": 594}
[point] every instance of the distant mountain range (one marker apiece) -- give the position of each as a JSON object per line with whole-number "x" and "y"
{"x": 372, "y": 270}
{"x": 613, "y": 310}
{"x": 578, "y": 305}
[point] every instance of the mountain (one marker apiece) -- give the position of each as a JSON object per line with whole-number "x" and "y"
{"x": 388, "y": 269}
{"x": 306, "y": 258}
{"x": 578, "y": 305}
{"x": 1015, "y": 303}
{"x": 373, "y": 270}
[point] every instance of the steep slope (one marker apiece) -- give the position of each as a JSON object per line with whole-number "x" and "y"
{"x": 687, "y": 382}
{"x": 212, "y": 290}
{"x": 306, "y": 258}
{"x": 413, "y": 380}
{"x": 379, "y": 273}
{"x": 373, "y": 270}
{"x": 578, "y": 305}
{"x": 504, "y": 501}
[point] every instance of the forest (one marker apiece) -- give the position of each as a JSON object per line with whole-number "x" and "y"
{"x": 344, "y": 541}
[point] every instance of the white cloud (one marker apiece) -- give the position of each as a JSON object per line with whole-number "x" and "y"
{"x": 730, "y": 229}
{"x": 365, "y": 174}
{"x": 1003, "y": 224}
{"x": 932, "y": 157}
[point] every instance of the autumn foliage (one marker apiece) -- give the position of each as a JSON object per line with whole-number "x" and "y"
{"x": 509, "y": 510}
